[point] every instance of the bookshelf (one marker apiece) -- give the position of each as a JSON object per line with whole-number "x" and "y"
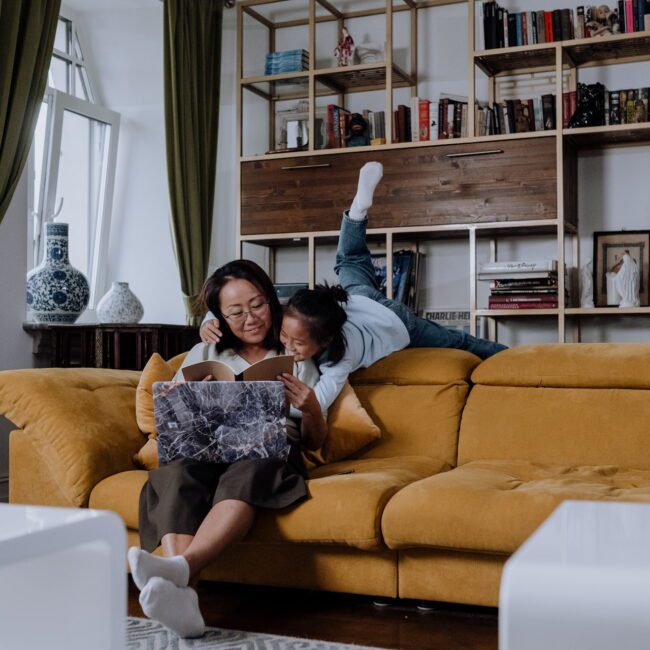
{"x": 274, "y": 214}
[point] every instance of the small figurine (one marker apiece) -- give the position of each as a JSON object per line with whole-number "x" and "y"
{"x": 587, "y": 285}
{"x": 627, "y": 281}
{"x": 344, "y": 51}
{"x": 602, "y": 21}
{"x": 357, "y": 131}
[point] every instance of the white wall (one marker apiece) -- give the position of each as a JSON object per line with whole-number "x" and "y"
{"x": 126, "y": 47}
{"x": 15, "y": 344}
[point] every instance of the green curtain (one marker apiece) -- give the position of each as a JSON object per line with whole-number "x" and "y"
{"x": 192, "y": 74}
{"x": 27, "y": 31}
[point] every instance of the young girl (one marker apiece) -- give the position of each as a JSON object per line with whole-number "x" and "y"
{"x": 353, "y": 326}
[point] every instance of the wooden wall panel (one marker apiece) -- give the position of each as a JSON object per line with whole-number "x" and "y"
{"x": 421, "y": 186}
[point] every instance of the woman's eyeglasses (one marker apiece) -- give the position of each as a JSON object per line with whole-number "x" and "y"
{"x": 239, "y": 317}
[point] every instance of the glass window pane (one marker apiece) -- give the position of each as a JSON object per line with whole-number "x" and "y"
{"x": 62, "y": 38}
{"x": 80, "y": 89}
{"x": 39, "y": 145}
{"x": 81, "y": 184}
{"x": 59, "y": 77}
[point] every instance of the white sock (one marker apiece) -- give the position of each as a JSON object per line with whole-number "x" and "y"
{"x": 369, "y": 177}
{"x": 145, "y": 566}
{"x": 175, "y": 607}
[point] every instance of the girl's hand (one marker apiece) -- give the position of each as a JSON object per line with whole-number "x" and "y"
{"x": 300, "y": 395}
{"x": 207, "y": 378}
{"x": 210, "y": 332}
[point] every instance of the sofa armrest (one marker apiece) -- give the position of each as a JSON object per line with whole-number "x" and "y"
{"x": 79, "y": 421}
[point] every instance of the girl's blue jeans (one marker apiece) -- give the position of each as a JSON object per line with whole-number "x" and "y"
{"x": 357, "y": 276}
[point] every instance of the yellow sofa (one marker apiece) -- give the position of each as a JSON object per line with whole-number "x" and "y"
{"x": 431, "y": 511}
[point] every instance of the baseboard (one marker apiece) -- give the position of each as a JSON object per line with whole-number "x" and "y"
{"x": 4, "y": 489}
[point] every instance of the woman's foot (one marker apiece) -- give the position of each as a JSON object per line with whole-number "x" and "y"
{"x": 175, "y": 607}
{"x": 369, "y": 178}
{"x": 145, "y": 566}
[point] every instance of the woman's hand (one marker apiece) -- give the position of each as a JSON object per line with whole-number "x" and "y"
{"x": 300, "y": 395}
{"x": 210, "y": 332}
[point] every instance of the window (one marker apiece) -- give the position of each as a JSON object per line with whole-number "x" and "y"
{"x": 73, "y": 160}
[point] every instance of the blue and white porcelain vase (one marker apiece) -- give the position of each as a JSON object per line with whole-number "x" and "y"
{"x": 56, "y": 291}
{"x": 120, "y": 305}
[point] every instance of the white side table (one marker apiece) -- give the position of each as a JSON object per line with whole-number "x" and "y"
{"x": 63, "y": 579}
{"x": 582, "y": 580}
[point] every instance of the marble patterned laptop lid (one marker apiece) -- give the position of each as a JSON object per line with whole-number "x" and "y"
{"x": 220, "y": 421}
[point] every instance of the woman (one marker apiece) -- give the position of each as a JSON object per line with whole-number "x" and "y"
{"x": 195, "y": 510}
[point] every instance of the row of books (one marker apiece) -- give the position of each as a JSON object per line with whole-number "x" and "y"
{"x": 516, "y": 116}
{"x": 286, "y": 61}
{"x": 503, "y": 28}
{"x": 521, "y": 285}
{"x": 407, "y": 272}
{"x": 627, "y": 106}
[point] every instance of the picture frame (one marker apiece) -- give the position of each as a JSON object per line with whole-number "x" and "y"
{"x": 609, "y": 247}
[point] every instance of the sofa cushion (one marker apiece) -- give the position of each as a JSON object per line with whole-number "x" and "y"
{"x": 350, "y": 429}
{"x": 569, "y": 404}
{"x": 494, "y": 506}
{"x": 416, "y": 397}
{"x": 345, "y": 505}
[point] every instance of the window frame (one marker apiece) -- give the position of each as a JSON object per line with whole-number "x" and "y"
{"x": 58, "y": 102}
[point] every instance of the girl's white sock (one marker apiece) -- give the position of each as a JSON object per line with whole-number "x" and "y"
{"x": 145, "y": 566}
{"x": 369, "y": 177}
{"x": 175, "y": 607}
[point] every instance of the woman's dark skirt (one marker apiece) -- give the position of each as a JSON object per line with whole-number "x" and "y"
{"x": 178, "y": 496}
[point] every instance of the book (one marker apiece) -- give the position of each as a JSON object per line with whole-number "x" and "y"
{"x": 548, "y": 111}
{"x": 517, "y": 267}
{"x": 264, "y": 370}
{"x": 541, "y": 27}
{"x": 502, "y": 275}
{"x": 550, "y": 304}
{"x": 524, "y": 297}
{"x": 415, "y": 119}
{"x": 424, "y": 121}
{"x": 548, "y": 25}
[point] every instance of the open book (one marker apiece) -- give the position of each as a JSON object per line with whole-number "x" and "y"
{"x": 264, "y": 370}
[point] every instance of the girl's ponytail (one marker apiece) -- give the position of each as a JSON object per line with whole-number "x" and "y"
{"x": 321, "y": 309}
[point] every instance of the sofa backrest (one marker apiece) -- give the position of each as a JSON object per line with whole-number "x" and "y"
{"x": 416, "y": 397}
{"x": 573, "y": 404}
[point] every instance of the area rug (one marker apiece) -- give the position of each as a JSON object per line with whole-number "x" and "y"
{"x": 143, "y": 634}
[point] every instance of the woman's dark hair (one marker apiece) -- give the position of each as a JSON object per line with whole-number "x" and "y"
{"x": 241, "y": 270}
{"x": 321, "y": 309}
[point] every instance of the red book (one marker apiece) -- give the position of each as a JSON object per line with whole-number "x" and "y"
{"x": 566, "y": 109}
{"x": 524, "y": 28}
{"x": 548, "y": 24}
{"x": 550, "y": 304}
{"x": 331, "y": 131}
{"x": 629, "y": 16}
{"x": 423, "y": 119}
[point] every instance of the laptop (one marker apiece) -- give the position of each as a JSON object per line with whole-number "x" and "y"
{"x": 220, "y": 421}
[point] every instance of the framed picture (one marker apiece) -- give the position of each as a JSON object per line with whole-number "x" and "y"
{"x": 609, "y": 248}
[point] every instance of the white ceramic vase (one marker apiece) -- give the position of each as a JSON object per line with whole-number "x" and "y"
{"x": 120, "y": 305}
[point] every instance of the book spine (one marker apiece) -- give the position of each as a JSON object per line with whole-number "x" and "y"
{"x": 565, "y": 110}
{"x": 580, "y": 22}
{"x": 641, "y": 15}
{"x": 565, "y": 22}
{"x": 522, "y": 297}
{"x": 621, "y": 16}
{"x": 486, "y": 28}
{"x": 524, "y": 28}
{"x": 408, "y": 137}
{"x": 330, "y": 126}
{"x": 512, "y": 30}
{"x": 539, "y": 119}
{"x": 518, "y": 267}
{"x": 500, "y": 33}
{"x": 533, "y": 23}
{"x": 433, "y": 121}
{"x": 450, "y": 120}
{"x": 520, "y": 30}
{"x": 646, "y": 17}
{"x": 521, "y": 122}
{"x": 415, "y": 119}
{"x": 557, "y": 25}
{"x": 548, "y": 25}
{"x": 423, "y": 119}
{"x": 614, "y": 108}
{"x": 541, "y": 27}
{"x": 511, "y": 116}
{"x": 550, "y": 304}
{"x": 635, "y": 15}
{"x": 458, "y": 119}
{"x": 629, "y": 17}
{"x": 506, "y": 32}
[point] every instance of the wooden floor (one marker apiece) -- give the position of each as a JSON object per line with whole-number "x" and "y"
{"x": 343, "y": 618}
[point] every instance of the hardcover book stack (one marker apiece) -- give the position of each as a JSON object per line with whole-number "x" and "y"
{"x": 287, "y": 61}
{"x": 517, "y": 116}
{"x": 407, "y": 271}
{"x": 521, "y": 285}
{"x": 504, "y": 28}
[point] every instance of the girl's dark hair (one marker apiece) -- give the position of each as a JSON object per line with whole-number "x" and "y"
{"x": 321, "y": 309}
{"x": 241, "y": 270}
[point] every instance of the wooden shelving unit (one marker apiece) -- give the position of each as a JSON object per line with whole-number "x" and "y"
{"x": 561, "y": 59}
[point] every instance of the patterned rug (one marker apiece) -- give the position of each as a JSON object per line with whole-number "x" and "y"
{"x": 143, "y": 634}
